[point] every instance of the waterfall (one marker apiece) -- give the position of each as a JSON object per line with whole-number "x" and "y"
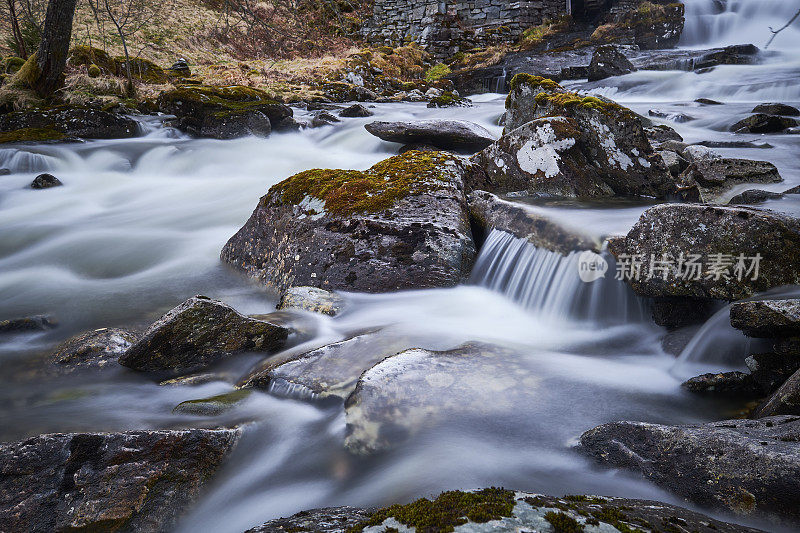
{"x": 547, "y": 283}
{"x": 712, "y": 23}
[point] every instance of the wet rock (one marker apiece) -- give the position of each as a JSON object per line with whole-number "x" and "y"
{"x": 579, "y": 146}
{"x": 777, "y": 109}
{"x": 526, "y": 222}
{"x": 770, "y": 370}
{"x": 738, "y": 233}
{"x": 608, "y": 61}
{"x": 449, "y": 99}
{"x": 767, "y": 318}
{"x": 331, "y": 371}
{"x": 708, "y": 101}
{"x": 417, "y": 388}
{"x": 714, "y": 177}
{"x": 93, "y": 350}
{"x": 355, "y": 111}
{"x": 193, "y": 380}
{"x": 445, "y": 134}
{"x": 680, "y": 118}
{"x": 696, "y": 153}
{"x": 28, "y": 323}
{"x": 214, "y": 405}
{"x": 287, "y": 124}
{"x": 506, "y": 511}
{"x": 675, "y": 313}
{"x": 223, "y": 112}
{"x": 785, "y": 401}
{"x": 5, "y": 172}
{"x": 754, "y": 196}
{"x": 662, "y": 133}
{"x": 328, "y": 520}
{"x": 45, "y": 181}
{"x": 323, "y": 118}
{"x": 420, "y": 147}
{"x": 181, "y": 68}
{"x": 763, "y": 123}
{"x": 649, "y": 26}
{"x": 749, "y": 467}
{"x": 64, "y": 122}
{"x": 674, "y": 146}
{"x": 312, "y": 299}
{"x": 740, "y": 54}
{"x": 198, "y": 333}
{"x": 402, "y": 224}
{"x": 131, "y": 481}
{"x": 675, "y": 163}
{"x": 738, "y": 384}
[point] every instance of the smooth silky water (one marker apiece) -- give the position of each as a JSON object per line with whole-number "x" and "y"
{"x": 139, "y": 224}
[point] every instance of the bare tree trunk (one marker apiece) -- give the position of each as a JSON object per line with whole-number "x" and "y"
{"x": 12, "y": 13}
{"x": 53, "y": 50}
{"x": 124, "y": 47}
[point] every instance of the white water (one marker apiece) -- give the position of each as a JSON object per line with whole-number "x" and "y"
{"x": 138, "y": 227}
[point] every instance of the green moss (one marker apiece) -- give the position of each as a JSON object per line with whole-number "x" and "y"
{"x": 529, "y": 79}
{"x": 88, "y": 55}
{"x": 615, "y": 517}
{"x": 94, "y": 71}
{"x": 563, "y": 523}
{"x": 213, "y": 405}
{"x": 231, "y": 98}
{"x": 141, "y": 69}
{"x": 437, "y": 72}
{"x": 447, "y": 99}
{"x": 345, "y": 192}
{"x": 12, "y": 64}
{"x": 31, "y": 134}
{"x": 448, "y": 510}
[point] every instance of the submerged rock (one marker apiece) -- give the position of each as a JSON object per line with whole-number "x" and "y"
{"x": 28, "y": 323}
{"x": 526, "y": 222}
{"x": 312, "y": 299}
{"x": 777, "y": 109}
{"x": 458, "y": 135}
{"x": 505, "y": 511}
{"x": 608, "y": 61}
{"x": 214, "y": 405}
{"x": 45, "y": 181}
{"x": 763, "y": 123}
{"x": 402, "y": 224}
{"x": 223, "y": 112}
{"x": 754, "y": 196}
{"x": 749, "y": 467}
{"x": 784, "y": 401}
{"x": 63, "y": 122}
{"x": 767, "y": 318}
{"x": 93, "y": 349}
{"x": 131, "y": 481}
{"x": 728, "y": 242}
{"x": 715, "y": 176}
{"x": 738, "y": 384}
{"x": 198, "y": 333}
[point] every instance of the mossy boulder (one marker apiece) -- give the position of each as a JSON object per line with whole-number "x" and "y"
{"x": 142, "y": 70}
{"x": 198, "y": 333}
{"x": 748, "y": 467}
{"x": 650, "y": 26}
{"x": 131, "y": 481}
{"x": 223, "y": 112}
{"x": 721, "y": 236}
{"x": 94, "y": 71}
{"x": 402, "y": 224}
{"x": 449, "y": 99}
{"x": 213, "y": 405}
{"x": 506, "y": 511}
{"x": 65, "y": 121}
{"x": 11, "y": 65}
{"x": 87, "y": 56}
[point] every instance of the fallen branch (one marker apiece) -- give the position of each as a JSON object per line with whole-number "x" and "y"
{"x": 776, "y": 32}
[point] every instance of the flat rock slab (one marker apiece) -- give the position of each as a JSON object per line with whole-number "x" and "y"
{"x": 718, "y": 236}
{"x": 198, "y": 333}
{"x": 716, "y": 176}
{"x": 331, "y": 371}
{"x": 458, "y": 135}
{"x": 749, "y": 467}
{"x": 500, "y": 510}
{"x": 767, "y": 318}
{"x": 133, "y": 481}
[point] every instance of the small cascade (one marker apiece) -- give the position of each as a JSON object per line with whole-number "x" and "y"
{"x": 24, "y": 161}
{"x": 548, "y": 284}
{"x": 496, "y": 84}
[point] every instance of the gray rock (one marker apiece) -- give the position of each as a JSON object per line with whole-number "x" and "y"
{"x": 661, "y": 134}
{"x": 72, "y": 121}
{"x": 738, "y": 54}
{"x": 767, "y": 318}
{"x": 777, "y": 109}
{"x": 331, "y": 371}
{"x": 355, "y": 111}
{"x": 763, "y": 123}
{"x": 132, "y": 481}
{"x": 675, "y": 163}
{"x": 5, "y": 172}
{"x": 608, "y": 61}
{"x": 45, "y": 181}
{"x": 198, "y": 333}
{"x": 738, "y": 384}
{"x": 675, "y": 229}
{"x": 402, "y": 224}
{"x": 509, "y": 511}
{"x": 214, "y": 405}
{"x": 28, "y": 323}
{"x": 785, "y": 401}
{"x": 708, "y": 101}
{"x": 696, "y": 153}
{"x": 233, "y": 125}
{"x": 526, "y": 222}
{"x": 93, "y": 349}
{"x": 771, "y": 370}
{"x": 312, "y": 299}
{"x": 754, "y": 196}
{"x": 749, "y": 467}
{"x": 714, "y": 177}
{"x": 446, "y": 134}
{"x": 323, "y": 118}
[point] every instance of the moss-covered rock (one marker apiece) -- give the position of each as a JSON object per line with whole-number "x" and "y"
{"x": 401, "y": 224}
{"x": 449, "y": 99}
{"x": 223, "y": 112}
{"x": 649, "y": 25}
{"x": 60, "y": 122}
{"x": 214, "y": 405}
{"x": 142, "y": 70}
{"x": 94, "y": 71}
{"x": 31, "y": 135}
{"x": 87, "y": 56}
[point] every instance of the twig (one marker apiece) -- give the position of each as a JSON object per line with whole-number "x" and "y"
{"x": 776, "y": 32}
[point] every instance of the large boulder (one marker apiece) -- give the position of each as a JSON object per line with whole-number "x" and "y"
{"x": 198, "y": 333}
{"x": 92, "y": 350}
{"x": 716, "y": 248}
{"x": 651, "y": 25}
{"x": 737, "y": 54}
{"x": 505, "y": 511}
{"x": 402, "y": 224}
{"x": 784, "y": 401}
{"x": 777, "y": 109}
{"x": 608, "y": 61}
{"x": 737, "y": 384}
{"x": 742, "y": 466}
{"x": 132, "y": 481}
{"x": 763, "y": 123}
{"x": 716, "y": 176}
{"x": 65, "y": 122}
{"x": 767, "y": 318}
{"x": 526, "y": 222}
{"x": 223, "y": 112}
{"x": 457, "y": 135}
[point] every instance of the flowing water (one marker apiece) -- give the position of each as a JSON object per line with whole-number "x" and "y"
{"x": 139, "y": 224}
